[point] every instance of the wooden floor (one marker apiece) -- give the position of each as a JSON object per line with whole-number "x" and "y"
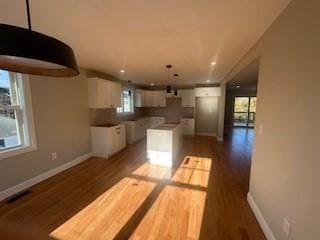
{"x": 202, "y": 197}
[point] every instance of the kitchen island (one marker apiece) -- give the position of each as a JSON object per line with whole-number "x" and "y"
{"x": 164, "y": 143}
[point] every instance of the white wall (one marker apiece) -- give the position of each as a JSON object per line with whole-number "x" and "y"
{"x": 285, "y": 173}
{"x": 61, "y": 118}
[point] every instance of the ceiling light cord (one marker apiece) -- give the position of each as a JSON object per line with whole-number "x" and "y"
{"x": 28, "y": 15}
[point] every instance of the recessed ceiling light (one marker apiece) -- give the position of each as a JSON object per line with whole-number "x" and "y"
{"x": 238, "y": 86}
{"x": 213, "y": 63}
{"x": 208, "y": 81}
{"x": 122, "y": 71}
{"x": 152, "y": 84}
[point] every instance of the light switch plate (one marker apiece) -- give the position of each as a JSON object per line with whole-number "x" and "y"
{"x": 286, "y": 227}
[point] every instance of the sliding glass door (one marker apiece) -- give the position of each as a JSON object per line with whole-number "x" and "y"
{"x": 244, "y": 111}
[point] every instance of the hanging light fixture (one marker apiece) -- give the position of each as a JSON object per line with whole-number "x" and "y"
{"x": 26, "y": 51}
{"x": 168, "y": 89}
{"x": 168, "y": 86}
{"x": 175, "y": 93}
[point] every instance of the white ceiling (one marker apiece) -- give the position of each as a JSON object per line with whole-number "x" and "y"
{"x": 142, "y": 36}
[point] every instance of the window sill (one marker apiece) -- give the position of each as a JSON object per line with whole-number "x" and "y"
{"x": 16, "y": 151}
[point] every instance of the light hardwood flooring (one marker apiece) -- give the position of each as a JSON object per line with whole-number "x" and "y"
{"x": 202, "y": 197}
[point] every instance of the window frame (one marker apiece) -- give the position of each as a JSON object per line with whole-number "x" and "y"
{"x": 248, "y": 112}
{"x": 24, "y": 115}
{"x": 122, "y": 113}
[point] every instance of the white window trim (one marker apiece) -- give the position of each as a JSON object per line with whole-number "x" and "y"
{"x": 30, "y": 142}
{"x": 132, "y": 103}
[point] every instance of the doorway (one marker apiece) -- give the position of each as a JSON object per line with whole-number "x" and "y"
{"x": 244, "y": 111}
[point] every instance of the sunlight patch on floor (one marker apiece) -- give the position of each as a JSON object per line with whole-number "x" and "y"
{"x": 153, "y": 171}
{"x": 108, "y": 213}
{"x": 176, "y": 214}
{"x": 193, "y": 171}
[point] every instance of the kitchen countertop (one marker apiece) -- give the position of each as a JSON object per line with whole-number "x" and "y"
{"x": 139, "y": 118}
{"x": 166, "y": 126}
{"x": 106, "y": 125}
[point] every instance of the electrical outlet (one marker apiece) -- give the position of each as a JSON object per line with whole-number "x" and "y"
{"x": 286, "y": 227}
{"x": 54, "y": 156}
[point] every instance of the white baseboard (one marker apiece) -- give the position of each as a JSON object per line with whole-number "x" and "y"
{"x": 220, "y": 139}
{"x": 43, "y": 176}
{"x": 206, "y": 134}
{"x": 263, "y": 223}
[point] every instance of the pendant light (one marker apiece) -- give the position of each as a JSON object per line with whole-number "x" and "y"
{"x": 168, "y": 89}
{"x": 175, "y": 93}
{"x": 168, "y": 86}
{"x": 26, "y": 51}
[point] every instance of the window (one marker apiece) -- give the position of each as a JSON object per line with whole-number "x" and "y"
{"x": 126, "y": 102}
{"x": 16, "y": 122}
{"x": 244, "y": 111}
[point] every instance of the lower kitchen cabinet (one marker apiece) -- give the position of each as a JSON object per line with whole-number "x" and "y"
{"x": 187, "y": 126}
{"x": 137, "y": 129}
{"x": 107, "y": 140}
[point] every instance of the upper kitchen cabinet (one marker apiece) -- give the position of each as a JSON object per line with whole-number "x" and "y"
{"x": 159, "y": 98}
{"x": 139, "y": 98}
{"x": 103, "y": 93}
{"x": 188, "y": 98}
{"x": 162, "y": 99}
{"x": 208, "y": 92}
{"x": 115, "y": 90}
{"x": 150, "y": 98}
{"x": 155, "y": 99}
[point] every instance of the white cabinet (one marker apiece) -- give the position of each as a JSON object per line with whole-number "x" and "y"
{"x": 136, "y": 130}
{"x": 155, "y": 98}
{"x": 162, "y": 99}
{"x": 156, "y": 121}
{"x": 208, "y": 92}
{"x": 148, "y": 98}
{"x": 115, "y": 94}
{"x": 188, "y": 98}
{"x": 96, "y": 89}
{"x": 188, "y": 126}
{"x": 106, "y": 141}
{"x": 159, "y": 99}
{"x": 139, "y": 98}
{"x": 119, "y": 136}
{"x": 103, "y": 93}
{"x": 163, "y": 144}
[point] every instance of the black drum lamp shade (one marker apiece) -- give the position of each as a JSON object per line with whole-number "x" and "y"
{"x": 26, "y": 51}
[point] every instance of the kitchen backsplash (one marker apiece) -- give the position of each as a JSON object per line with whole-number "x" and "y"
{"x": 101, "y": 116}
{"x": 173, "y": 112}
